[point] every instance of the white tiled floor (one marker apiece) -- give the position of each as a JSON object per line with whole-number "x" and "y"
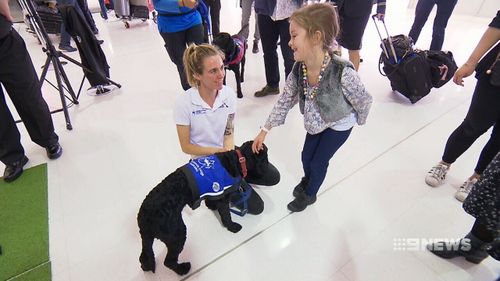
{"x": 124, "y": 143}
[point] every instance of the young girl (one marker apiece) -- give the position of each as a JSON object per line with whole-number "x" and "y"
{"x": 329, "y": 92}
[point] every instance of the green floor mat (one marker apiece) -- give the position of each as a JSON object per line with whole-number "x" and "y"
{"x": 24, "y": 229}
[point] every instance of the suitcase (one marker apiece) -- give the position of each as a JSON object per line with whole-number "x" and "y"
{"x": 139, "y": 9}
{"x": 122, "y": 8}
{"x": 407, "y": 70}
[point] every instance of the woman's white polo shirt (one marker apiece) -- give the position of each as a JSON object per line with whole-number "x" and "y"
{"x": 207, "y": 124}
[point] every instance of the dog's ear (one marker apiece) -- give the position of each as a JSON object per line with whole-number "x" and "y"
{"x": 257, "y": 164}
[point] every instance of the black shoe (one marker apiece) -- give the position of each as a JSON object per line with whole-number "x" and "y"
{"x": 255, "y": 48}
{"x": 14, "y": 170}
{"x": 301, "y": 187}
{"x": 301, "y": 202}
{"x": 54, "y": 151}
{"x": 267, "y": 90}
{"x": 472, "y": 248}
{"x": 67, "y": 48}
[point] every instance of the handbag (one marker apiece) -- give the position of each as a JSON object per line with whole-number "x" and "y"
{"x": 494, "y": 72}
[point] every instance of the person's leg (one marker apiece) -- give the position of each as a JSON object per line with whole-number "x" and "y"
{"x": 328, "y": 145}
{"x": 11, "y": 149}
{"x": 444, "y": 10}
{"x": 489, "y": 151}
{"x": 483, "y": 113}
{"x": 175, "y": 43}
{"x": 286, "y": 51}
{"x": 422, "y": 11}
{"x": 256, "y": 34}
{"x": 269, "y": 37}
{"x": 104, "y": 10}
{"x": 194, "y": 35}
{"x": 308, "y": 150}
{"x": 355, "y": 58}
{"x": 246, "y": 11}
{"x": 23, "y": 87}
{"x": 84, "y": 7}
{"x": 215, "y": 7}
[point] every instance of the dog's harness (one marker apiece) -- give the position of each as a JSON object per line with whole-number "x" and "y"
{"x": 207, "y": 178}
{"x": 238, "y": 53}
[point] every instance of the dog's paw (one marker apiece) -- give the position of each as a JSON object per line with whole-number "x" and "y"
{"x": 148, "y": 266}
{"x": 180, "y": 268}
{"x": 234, "y": 227}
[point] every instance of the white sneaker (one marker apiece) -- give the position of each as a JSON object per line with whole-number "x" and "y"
{"x": 465, "y": 189}
{"x": 100, "y": 90}
{"x": 436, "y": 176}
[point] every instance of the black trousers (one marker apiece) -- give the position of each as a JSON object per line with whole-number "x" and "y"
{"x": 422, "y": 11}
{"x": 215, "y": 7}
{"x": 270, "y": 32}
{"x": 176, "y": 43}
{"x": 484, "y": 113}
{"x": 20, "y": 79}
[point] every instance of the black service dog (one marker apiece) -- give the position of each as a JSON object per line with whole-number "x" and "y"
{"x": 234, "y": 48}
{"x": 160, "y": 215}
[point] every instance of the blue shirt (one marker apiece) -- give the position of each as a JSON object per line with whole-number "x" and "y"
{"x": 173, "y": 18}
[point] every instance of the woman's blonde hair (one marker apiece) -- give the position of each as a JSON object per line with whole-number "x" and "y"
{"x": 320, "y": 17}
{"x": 193, "y": 60}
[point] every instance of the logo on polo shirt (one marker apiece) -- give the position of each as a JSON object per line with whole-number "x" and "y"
{"x": 200, "y": 111}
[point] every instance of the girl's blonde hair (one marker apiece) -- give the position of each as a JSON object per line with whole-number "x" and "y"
{"x": 193, "y": 60}
{"x": 320, "y": 17}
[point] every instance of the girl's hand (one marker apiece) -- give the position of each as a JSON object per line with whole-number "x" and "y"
{"x": 258, "y": 142}
{"x": 464, "y": 71}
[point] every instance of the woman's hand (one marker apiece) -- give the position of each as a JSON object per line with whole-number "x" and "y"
{"x": 464, "y": 71}
{"x": 258, "y": 142}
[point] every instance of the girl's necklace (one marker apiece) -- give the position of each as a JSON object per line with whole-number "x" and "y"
{"x": 312, "y": 94}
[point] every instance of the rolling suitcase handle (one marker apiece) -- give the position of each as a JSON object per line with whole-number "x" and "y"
{"x": 388, "y": 39}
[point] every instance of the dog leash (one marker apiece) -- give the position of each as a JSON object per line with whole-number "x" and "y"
{"x": 243, "y": 163}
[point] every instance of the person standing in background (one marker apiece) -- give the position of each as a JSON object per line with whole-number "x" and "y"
{"x": 179, "y": 24}
{"x": 246, "y": 12}
{"x": 214, "y": 6}
{"x": 274, "y": 26}
{"x": 20, "y": 80}
{"x": 354, "y": 16}
{"x": 483, "y": 113}
{"x": 443, "y": 14}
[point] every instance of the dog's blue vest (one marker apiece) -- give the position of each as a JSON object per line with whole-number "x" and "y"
{"x": 208, "y": 179}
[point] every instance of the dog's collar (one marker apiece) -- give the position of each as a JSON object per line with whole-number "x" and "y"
{"x": 243, "y": 163}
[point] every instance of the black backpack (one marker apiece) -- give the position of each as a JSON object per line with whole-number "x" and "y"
{"x": 442, "y": 66}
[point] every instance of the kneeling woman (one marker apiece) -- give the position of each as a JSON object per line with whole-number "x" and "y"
{"x": 204, "y": 114}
